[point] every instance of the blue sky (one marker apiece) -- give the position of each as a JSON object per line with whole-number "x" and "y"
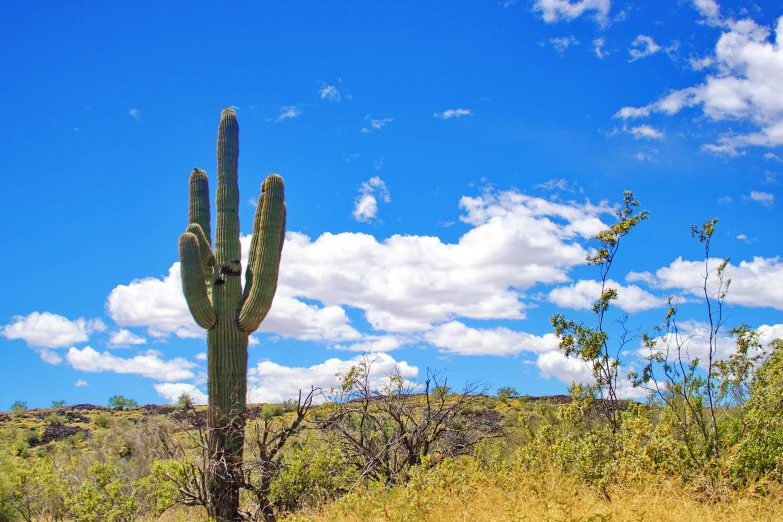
{"x": 445, "y": 165}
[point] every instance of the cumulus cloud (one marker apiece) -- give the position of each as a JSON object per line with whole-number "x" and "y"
{"x": 765, "y": 198}
{"x": 148, "y": 364}
{"x": 403, "y": 284}
{"x": 156, "y": 304}
{"x": 375, "y": 124}
{"x": 709, "y": 9}
{"x": 171, "y": 391}
{"x": 272, "y": 382}
{"x": 553, "y": 11}
{"x": 458, "y": 338}
{"x": 748, "y": 69}
{"x": 81, "y": 384}
{"x": 755, "y": 283}
{"x": 366, "y": 204}
{"x": 124, "y": 338}
{"x": 47, "y": 330}
{"x": 453, "y": 113}
{"x": 583, "y": 294}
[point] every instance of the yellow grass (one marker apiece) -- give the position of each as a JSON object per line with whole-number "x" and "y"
{"x": 489, "y": 496}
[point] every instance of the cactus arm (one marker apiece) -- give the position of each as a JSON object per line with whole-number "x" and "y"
{"x": 198, "y": 207}
{"x": 193, "y": 285}
{"x": 266, "y": 250}
{"x": 205, "y": 250}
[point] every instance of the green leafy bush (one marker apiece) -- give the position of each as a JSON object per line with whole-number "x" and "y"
{"x": 507, "y": 392}
{"x": 118, "y": 402}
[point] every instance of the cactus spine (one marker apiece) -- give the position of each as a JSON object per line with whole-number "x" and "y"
{"x": 212, "y": 287}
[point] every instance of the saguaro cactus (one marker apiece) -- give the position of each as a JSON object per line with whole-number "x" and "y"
{"x": 213, "y": 290}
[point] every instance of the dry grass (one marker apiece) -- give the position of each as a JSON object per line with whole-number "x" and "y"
{"x": 459, "y": 494}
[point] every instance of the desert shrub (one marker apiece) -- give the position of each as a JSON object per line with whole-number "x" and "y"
{"x": 104, "y": 496}
{"x": 507, "y": 392}
{"x": 21, "y": 449}
{"x": 118, "y": 402}
{"x": 58, "y": 404}
{"x": 759, "y": 452}
{"x": 271, "y": 410}
{"x": 185, "y": 401}
{"x": 102, "y": 420}
{"x": 54, "y": 420}
{"x": 309, "y": 476}
{"x": 19, "y": 408}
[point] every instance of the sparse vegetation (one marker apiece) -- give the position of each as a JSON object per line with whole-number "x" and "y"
{"x": 19, "y": 408}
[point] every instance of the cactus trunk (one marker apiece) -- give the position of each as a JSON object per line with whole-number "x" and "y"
{"x": 212, "y": 287}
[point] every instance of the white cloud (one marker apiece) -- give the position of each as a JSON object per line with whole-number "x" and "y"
{"x": 135, "y": 114}
{"x": 156, "y": 304}
{"x": 754, "y": 283}
{"x": 725, "y": 200}
{"x": 201, "y": 356}
{"x": 366, "y": 205}
{"x": 563, "y": 42}
{"x": 371, "y": 344}
{"x": 378, "y": 164}
{"x": 272, "y": 382}
{"x": 49, "y": 330}
{"x": 649, "y": 156}
{"x": 375, "y": 124}
{"x": 348, "y": 158}
{"x": 123, "y": 338}
{"x": 172, "y": 390}
{"x": 765, "y": 198}
{"x": 287, "y": 112}
{"x": 408, "y": 283}
{"x": 559, "y": 184}
{"x": 49, "y": 356}
{"x": 553, "y": 11}
{"x": 642, "y": 47}
{"x": 646, "y": 132}
{"x": 570, "y": 369}
{"x": 565, "y": 369}
{"x": 329, "y": 92}
{"x": 708, "y": 9}
{"x": 81, "y": 384}
{"x": 453, "y": 113}
{"x": 699, "y": 64}
{"x": 772, "y": 156}
{"x": 745, "y": 87}
{"x": 598, "y": 48}
{"x": 402, "y": 284}
{"x": 148, "y": 364}
{"x": 455, "y": 337}
{"x": 583, "y": 294}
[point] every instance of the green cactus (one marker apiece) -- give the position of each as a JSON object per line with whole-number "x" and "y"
{"x": 212, "y": 288}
